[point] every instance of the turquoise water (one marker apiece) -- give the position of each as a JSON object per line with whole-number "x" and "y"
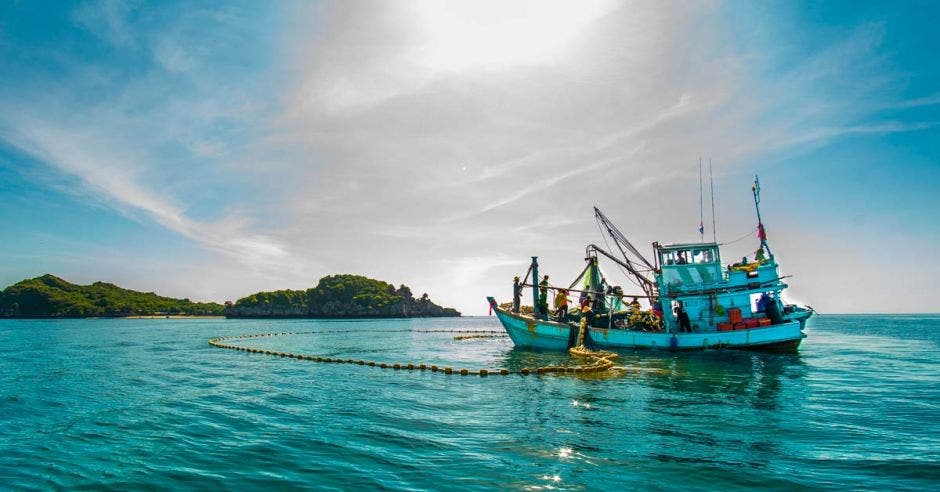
{"x": 130, "y": 404}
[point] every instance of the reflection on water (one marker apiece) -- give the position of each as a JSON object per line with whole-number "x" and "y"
{"x": 753, "y": 378}
{"x": 516, "y": 358}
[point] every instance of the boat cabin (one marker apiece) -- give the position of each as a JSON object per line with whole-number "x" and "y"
{"x": 685, "y": 266}
{"x": 692, "y": 274}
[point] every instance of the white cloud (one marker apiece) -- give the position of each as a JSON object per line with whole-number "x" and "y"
{"x": 107, "y": 19}
{"x": 931, "y": 100}
{"x": 110, "y": 173}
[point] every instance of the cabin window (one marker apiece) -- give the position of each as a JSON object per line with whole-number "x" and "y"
{"x": 689, "y": 256}
{"x": 678, "y": 257}
{"x": 701, "y": 256}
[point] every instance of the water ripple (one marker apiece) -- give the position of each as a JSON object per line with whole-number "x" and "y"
{"x": 147, "y": 404}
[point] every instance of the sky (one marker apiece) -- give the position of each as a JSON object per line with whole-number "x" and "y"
{"x": 211, "y": 150}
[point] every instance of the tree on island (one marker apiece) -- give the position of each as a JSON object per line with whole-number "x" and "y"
{"x": 340, "y": 296}
{"x": 49, "y": 296}
{"x": 335, "y": 296}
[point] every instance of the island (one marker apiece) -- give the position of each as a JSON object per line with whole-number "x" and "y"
{"x": 335, "y": 296}
{"x": 49, "y": 296}
{"x": 339, "y": 296}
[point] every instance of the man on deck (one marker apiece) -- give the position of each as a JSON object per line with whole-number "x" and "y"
{"x": 682, "y": 317}
{"x": 543, "y": 296}
{"x": 561, "y": 305}
{"x": 516, "y": 294}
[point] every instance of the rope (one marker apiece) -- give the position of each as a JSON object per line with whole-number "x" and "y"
{"x": 738, "y": 239}
{"x": 600, "y": 361}
{"x": 471, "y": 337}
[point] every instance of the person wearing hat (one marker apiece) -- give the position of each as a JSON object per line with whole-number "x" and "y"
{"x": 561, "y": 305}
{"x": 516, "y": 294}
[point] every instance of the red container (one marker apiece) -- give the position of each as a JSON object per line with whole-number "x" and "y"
{"x": 725, "y": 327}
{"x": 740, "y": 326}
{"x": 752, "y": 323}
{"x": 734, "y": 315}
{"x": 764, "y": 321}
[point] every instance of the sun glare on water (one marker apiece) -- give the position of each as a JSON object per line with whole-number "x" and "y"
{"x": 500, "y": 34}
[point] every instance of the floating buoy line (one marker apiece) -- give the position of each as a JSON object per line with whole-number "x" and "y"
{"x": 595, "y": 361}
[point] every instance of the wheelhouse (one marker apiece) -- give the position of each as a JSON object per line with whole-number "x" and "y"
{"x": 685, "y": 266}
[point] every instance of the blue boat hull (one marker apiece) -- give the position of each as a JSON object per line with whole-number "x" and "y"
{"x": 550, "y": 335}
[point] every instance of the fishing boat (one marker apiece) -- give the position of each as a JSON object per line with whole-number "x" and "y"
{"x": 695, "y": 302}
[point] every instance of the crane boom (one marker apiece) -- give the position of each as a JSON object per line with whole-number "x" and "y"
{"x": 645, "y": 283}
{"x": 620, "y": 239}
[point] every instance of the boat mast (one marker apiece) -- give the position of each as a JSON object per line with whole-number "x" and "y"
{"x": 711, "y": 187}
{"x": 535, "y": 288}
{"x": 701, "y": 208}
{"x": 761, "y": 232}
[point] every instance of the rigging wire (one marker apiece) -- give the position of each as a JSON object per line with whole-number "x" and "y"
{"x": 620, "y": 239}
{"x": 738, "y": 239}
{"x": 604, "y": 237}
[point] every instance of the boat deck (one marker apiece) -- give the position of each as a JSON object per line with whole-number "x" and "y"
{"x": 526, "y": 331}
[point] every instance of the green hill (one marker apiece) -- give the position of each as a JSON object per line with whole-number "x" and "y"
{"x": 335, "y": 296}
{"x": 339, "y": 296}
{"x": 49, "y": 296}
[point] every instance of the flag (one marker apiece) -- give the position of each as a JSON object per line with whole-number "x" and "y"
{"x": 761, "y": 233}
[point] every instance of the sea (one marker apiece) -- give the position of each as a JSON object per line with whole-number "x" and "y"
{"x": 148, "y": 404}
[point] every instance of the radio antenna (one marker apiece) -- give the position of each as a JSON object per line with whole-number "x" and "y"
{"x": 701, "y": 209}
{"x": 711, "y": 187}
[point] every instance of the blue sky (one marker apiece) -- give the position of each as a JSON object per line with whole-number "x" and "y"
{"x": 211, "y": 150}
